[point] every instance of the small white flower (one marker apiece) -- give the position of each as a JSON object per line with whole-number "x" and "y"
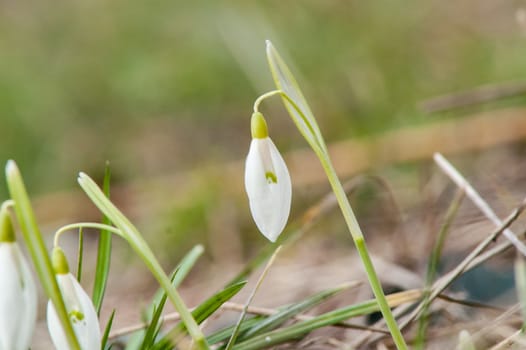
{"x": 18, "y": 295}
{"x": 79, "y": 307}
{"x": 267, "y": 182}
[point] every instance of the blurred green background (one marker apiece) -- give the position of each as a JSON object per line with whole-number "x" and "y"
{"x": 160, "y": 86}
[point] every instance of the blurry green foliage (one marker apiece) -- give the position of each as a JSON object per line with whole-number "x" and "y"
{"x": 81, "y": 80}
{"x": 186, "y": 223}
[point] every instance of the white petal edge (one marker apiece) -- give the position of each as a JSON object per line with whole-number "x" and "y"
{"x": 269, "y": 203}
{"x": 18, "y": 299}
{"x": 88, "y": 330}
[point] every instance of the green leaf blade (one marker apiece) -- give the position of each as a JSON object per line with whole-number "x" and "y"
{"x": 37, "y": 248}
{"x": 143, "y": 250}
{"x": 294, "y": 100}
{"x": 279, "y": 318}
{"x": 107, "y": 330}
{"x": 160, "y": 298}
{"x": 203, "y": 311}
{"x": 102, "y": 269}
{"x": 300, "y": 329}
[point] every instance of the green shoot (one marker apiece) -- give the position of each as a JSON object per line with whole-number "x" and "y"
{"x": 305, "y": 121}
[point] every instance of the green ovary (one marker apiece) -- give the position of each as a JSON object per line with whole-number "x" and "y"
{"x": 76, "y": 315}
{"x": 271, "y": 177}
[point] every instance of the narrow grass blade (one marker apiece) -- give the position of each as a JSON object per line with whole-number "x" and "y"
{"x": 102, "y": 269}
{"x": 181, "y": 271}
{"x": 225, "y": 333}
{"x": 202, "y": 312}
{"x": 235, "y": 333}
{"x": 80, "y": 255}
{"x": 279, "y": 318}
{"x": 160, "y": 298}
{"x": 153, "y": 328}
{"x": 141, "y": 248}
{"x": 520, "y": 282}
{"x": 300, "y": 329}
{"x": 259, "y": 259}
{"x": 107, "y": 330}
{"x": 210, "y": 305}
{"x": 37, "y": 249}
{"x": 433, "y": 265}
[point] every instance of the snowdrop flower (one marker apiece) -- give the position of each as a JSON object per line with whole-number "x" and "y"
{"x": 267, "y": 181}
{"x": 18, "y": 295}
{"x": 79, "y": 306}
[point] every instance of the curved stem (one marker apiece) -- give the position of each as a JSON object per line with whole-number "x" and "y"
{"x": 9, "y": 203}
{"x": 317, "y": 142}
{"x": 80, "y": 225}
{"x": 265, "y": 96}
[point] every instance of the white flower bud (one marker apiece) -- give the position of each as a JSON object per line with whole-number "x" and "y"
{"x": 79, "y": 307}
{"x": 18, "y": 295}
{"x": 267, "y": 182}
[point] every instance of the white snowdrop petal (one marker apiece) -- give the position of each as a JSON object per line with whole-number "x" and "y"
{"x": 86, "y": 328}
{"x": 268, "y": 186}
{"x": 18, "y": 299}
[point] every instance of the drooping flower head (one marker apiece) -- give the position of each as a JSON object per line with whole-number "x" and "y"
{"x": 79, "y": 306}
{"x": 18, "y": 295}
{"x": 267, "y": 181}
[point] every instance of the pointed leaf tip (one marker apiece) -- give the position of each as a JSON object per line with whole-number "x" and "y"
{"x": 11, "y": 167}
{"x": 82, "y": 177}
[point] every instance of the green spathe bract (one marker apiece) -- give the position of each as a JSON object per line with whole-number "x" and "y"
{"x": 59, "y": 261}
{"x": 258, "y": 126}
{"x": 294, "y": 100}
{"x": 7, "y": 234}
{"x": 304, "y": 119}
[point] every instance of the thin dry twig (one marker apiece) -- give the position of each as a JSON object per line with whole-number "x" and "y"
{"x": 441, "y": 284}
{"x": 477, "y": 199}
{"x": 476, "y": 96}
{"x": 488, "y": 327}
{"x": 510, "y": 341}
{"x": 233, "y": 337}
{"x": 469, "y": 303}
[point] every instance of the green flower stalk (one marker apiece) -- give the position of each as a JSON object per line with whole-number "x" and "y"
{"x": 305, "y": 121}
{"x": 18, "y": 294}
